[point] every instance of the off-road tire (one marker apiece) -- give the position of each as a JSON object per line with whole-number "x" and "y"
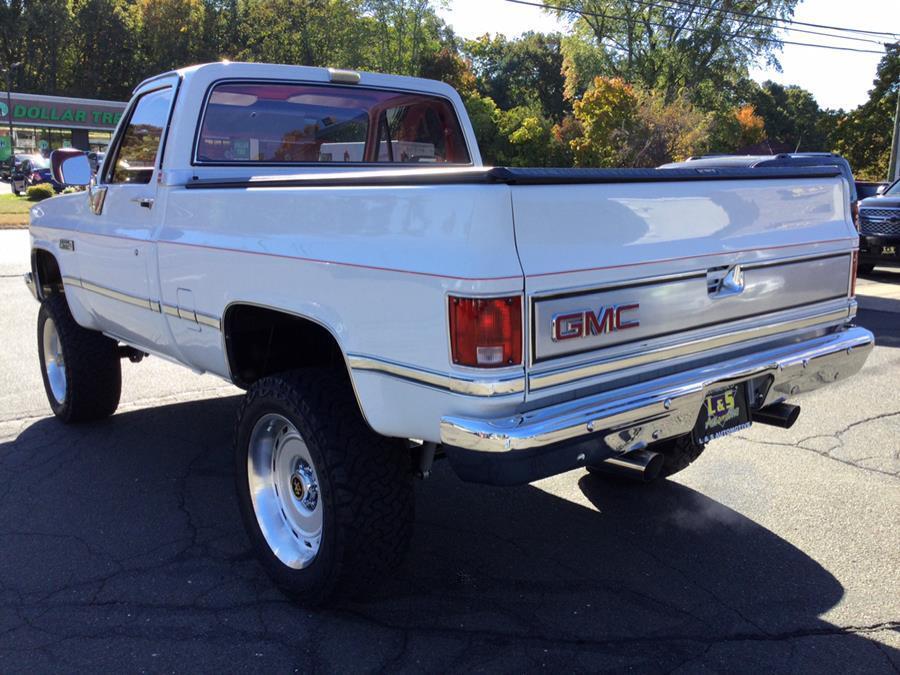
{"x": 93, "y": 370}
{"x": 678, "y": 454}
{"x": 365, "y": 482}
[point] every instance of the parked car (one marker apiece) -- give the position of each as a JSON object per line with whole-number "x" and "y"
{"x": 96, "y": 160}
{"x": 36, "y": 170}
{"x": 866, "y": 189}
{"x": 780, "y": 160}
{"x": 879, "y": 230}
{"x": 410, "y": 303}
{"x": 18, "y": 179}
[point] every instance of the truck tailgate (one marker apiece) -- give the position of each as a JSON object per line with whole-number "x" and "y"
{"x": 622, "y": 274}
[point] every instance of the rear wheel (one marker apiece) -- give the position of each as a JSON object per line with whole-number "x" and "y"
{"x": 678, "y": 454}
{"x": 81, "y": 369}
{"x": 865, "y": 268}
{"x": 327, "y": 503}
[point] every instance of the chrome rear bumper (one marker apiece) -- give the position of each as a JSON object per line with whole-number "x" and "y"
{"x": 628, "y": 418}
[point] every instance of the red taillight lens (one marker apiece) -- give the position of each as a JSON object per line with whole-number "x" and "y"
{"x": 486, "y": 332}
{"x": 854, "y": 212}
{"x": 855, "y": 265}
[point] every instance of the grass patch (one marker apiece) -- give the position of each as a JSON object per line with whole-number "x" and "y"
{"x": 14, "y": 211}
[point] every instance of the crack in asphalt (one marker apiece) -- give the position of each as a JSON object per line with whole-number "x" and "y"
{"x": 838, "y": 436}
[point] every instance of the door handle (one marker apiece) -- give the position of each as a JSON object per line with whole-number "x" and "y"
{"x": 146, "y": 202}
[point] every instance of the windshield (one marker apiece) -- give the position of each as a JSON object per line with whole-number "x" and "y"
{"x": 893, "y": 190}
{"x": 38, "y": 162}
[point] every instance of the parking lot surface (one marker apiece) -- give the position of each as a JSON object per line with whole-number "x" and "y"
{"x": 121, "y": 546}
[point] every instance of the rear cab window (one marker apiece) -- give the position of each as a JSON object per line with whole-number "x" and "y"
{"x": 291, "y": 123}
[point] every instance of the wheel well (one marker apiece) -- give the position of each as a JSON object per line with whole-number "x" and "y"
{"x": 48, "y": 279}
{"x": 262, "y": 341}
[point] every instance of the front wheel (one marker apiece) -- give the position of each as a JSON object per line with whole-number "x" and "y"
{"x": 326, "y": 502}
{"x": 81, "y": 369}
{"x": 865, "y": 268}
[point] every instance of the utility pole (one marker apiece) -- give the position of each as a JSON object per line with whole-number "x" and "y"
{"x": 9, "y": 117}
{"x": 894, "y": 165}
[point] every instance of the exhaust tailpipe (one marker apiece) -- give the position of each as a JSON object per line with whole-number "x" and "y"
{"x": 778, "y": 415}
{"x": 642, "y": 465}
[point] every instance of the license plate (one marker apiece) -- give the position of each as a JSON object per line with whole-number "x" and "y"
{"x": 723, "y": 412}
{"x": 888, "y": 250}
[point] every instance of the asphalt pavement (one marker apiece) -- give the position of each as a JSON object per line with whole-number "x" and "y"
{"x": 121, "y": 547}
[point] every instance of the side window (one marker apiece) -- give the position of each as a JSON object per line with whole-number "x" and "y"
{"x": 136, "y": 154}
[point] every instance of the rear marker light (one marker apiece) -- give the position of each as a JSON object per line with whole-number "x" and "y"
{"x": 855, "y": 266}
{"x": 486, "y": 332}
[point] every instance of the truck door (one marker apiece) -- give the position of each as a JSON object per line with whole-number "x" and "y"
{"x": 116, "y": 250}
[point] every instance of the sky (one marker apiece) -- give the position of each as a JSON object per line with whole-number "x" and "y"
{"x": 837, "y": 79}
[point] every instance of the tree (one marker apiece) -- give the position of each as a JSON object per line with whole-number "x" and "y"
{"x": 792, "y": 116}
{"x": 863, "y": 136}
{"x": 403, "y": 32}
{"x": 608, "y": 118}
{"x": 302, "y": 32}
{"x": 676, "y": 46}
{"x": 520, "y": 72}
{"x": 448, "y": 66}
{"x": 170, "y": 34}
{"x": 111, "y": 71}
{"x": 46, "y": 26}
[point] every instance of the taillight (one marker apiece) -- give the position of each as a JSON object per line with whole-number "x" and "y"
{"x": 854, "y": 212}
{"x": 854, "y": 265}
{"x": 486, "y": 332}
{"x": 36, "y": 177}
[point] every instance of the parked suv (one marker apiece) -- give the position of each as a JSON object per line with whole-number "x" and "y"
{"x": 787, "y": 159}
{"x": 879, "y": 230}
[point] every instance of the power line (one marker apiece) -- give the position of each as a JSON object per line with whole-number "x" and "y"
{"x": 766, "y": 18}
{"x": 762, "y": 17}
{"x": 611, "y": 17}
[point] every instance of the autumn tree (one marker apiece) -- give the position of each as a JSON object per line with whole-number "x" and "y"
{"x": 673, "y": 47}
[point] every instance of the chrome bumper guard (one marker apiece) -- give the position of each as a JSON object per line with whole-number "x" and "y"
{"x": 29, "y": 281}
{"x": 632, "y": 417}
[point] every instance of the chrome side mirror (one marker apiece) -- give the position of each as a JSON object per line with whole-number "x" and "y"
{"x": 881, "y": 189}
{"x": 70, "y": 167}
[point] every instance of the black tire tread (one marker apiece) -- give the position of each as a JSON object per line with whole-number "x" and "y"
{"x": 678, "y": 454}
{"x": 369, "y": 475}
{"x": 93, "y": 367}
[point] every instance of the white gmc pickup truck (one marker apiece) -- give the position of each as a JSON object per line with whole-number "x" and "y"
{"x": 330, "y": 242}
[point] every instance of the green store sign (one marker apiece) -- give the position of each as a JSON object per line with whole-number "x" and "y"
{"x": 36, "y": 113}
{"x": 28, "y": 110}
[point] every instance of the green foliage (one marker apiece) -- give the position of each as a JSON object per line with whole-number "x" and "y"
{"x": 39, "y": 192}
{"x": 526, "y": 71}
{"x": 792, "y": 117}
{"x": 864, "y": 135}
{"x": 607, "y": 114}
{"x": 675, "y": 47}
{"x": 71, "y": 190}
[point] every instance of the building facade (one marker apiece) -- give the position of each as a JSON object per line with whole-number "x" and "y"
{"x": 45, "y": 123}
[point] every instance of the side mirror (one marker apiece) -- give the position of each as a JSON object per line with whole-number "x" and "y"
{"x": 881, "y": 189}
{"x": 70, "y": 167}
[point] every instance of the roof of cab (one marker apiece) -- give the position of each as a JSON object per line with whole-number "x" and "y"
{"x": 275, "y": 71}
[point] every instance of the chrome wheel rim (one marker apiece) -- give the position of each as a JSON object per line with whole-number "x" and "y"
{"x": 54, "y": 361}
{"x": 284, "y": 489}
